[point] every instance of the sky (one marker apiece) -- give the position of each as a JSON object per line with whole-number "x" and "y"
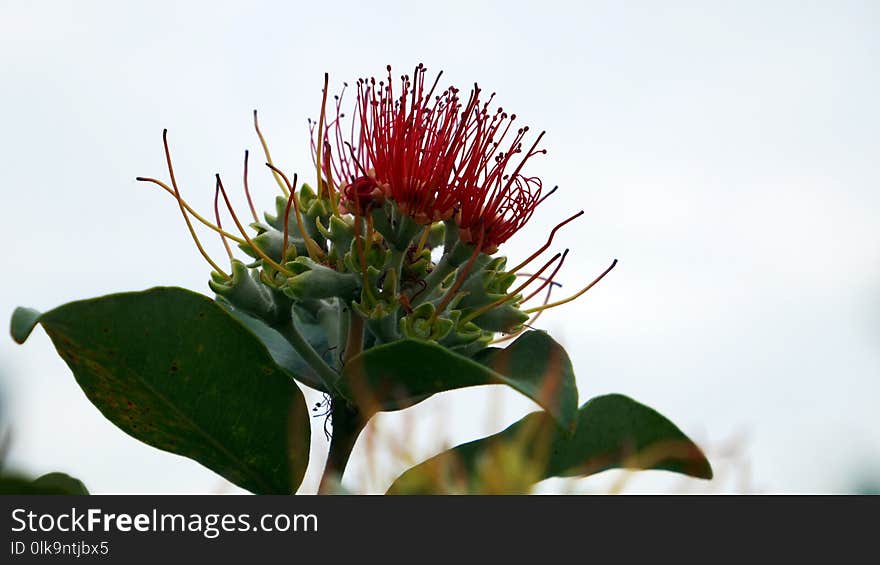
{"x": 727, "y": 154}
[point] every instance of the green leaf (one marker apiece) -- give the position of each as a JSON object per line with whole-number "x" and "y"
{"x": 61, "y": 482}
{"x": 399, "y": 374}
{"x": 173, "y": 369}
{"x": 613, "y": 431}
{"x": 23, "y": 322}
{"x": 284, "y": 355}
{"x": 51, "y": 483}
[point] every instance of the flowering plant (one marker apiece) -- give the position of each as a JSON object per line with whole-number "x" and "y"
{"x": 379, "y": 286}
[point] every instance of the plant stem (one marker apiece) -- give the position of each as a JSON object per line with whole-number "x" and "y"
{"x": 448, "y": 263}
{"x": 347, "y": 426}
{"x": 397, "y": 258}
{"x": 354, "y": 344}
{"x": 407, "y": 229}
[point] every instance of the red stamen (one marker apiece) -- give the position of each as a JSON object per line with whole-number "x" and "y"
{"x": 247, "y": 191}
{"x": 575, "y": 295}
{"x": 510, "y": 295}
{"x": 189, "y": 225}
{"x": 241, "y": 229}
{"x": 408, "y": 142}
{"x": 290, "y": 200}
{"x": 314, "y": 250}
{"x": 492, "y": 200}
{"x": 217, "y": 218}
{"x": 546, "y": 245}
{"x": 548, "y": 280}
{"x": 530, "y": 322}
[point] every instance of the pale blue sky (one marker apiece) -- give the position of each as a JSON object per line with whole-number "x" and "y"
{"x": 726, "y": 153}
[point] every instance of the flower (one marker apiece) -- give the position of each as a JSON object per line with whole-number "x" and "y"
{"x": 402, "y": 144}
{"x": 495, "y": 203}
{"x": 437, "y": 157}
{"x": 410, "y": 159}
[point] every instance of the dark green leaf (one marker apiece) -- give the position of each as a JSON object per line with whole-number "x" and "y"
{"x": 173, "y": 369}
{"x": 404, "y": 372}
{"x": 23, "y": 322}
{"x": 62, "y": 482}
{"x": 284, "y": 355}
{"x": 613, "y": 431}
{"x": 51, "y": 483}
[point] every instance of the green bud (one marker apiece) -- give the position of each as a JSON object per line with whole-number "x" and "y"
{"x": 339, "y": 233}
{"x": 314, "y": 281}
{"x": 462, "y": 333}
{"x": 505, "y": 318}
{"x": 270, "y": 242}
{"x": 419, "y": 324}
{"x": 380, "y": 318}
{"x": 247, "y": 293}
{"x": 317, "y": 210}
{"x": 436, "y": 235}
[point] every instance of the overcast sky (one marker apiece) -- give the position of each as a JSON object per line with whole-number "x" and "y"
{"x": 726, "y": 153}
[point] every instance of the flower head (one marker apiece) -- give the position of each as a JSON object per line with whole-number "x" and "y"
{"x": 494, "y": 202}
{"x": 416, "y": 169}
{"x": 404, "y": 144}
{"x": 435, "y": 156}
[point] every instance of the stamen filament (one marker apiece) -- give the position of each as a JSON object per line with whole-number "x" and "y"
{"x": 183, "y": 210}
{"x": 546, "y": 245}
{"x": 190, "y": 209}
{"x": 574, "y": 296}
{"x": 247, "y": 190}
{"x": 253, "y": 246}
{"x": 217, "y": 216}
{"x": 480, "y": 311}
{"x": 315, "y": 252}
{"x": 530, "y": 323}
{"x": 268, "y": 156}
{"x": 546, "y": 196}
{"x": 320, "y": 145}
{"x": 290, "y": 199}
{"x": 548, "y": 280}
{"x": 552, "y": 282}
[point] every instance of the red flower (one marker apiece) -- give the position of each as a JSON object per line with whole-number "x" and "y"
{"x": 434, "y": 156}
{"x": 494, "y": 202}
{"x": 406, "y": 144}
